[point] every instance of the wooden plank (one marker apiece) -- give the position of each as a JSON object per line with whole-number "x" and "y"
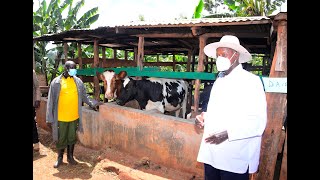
{"x": 283, "y": 171}
{"x": 95, "y": 64}
{"x": 118, "y": 63}
{"x": 238, "y": 34}
{"x": 167, "y": 35}
{"x": 140, "y": 55}
{"x": 185, "y": 43}
{"x": 276, "y": 104}
{"x": 87, "y": 79}
{"x": 201, "y": 59}
{"x": 282, "y": 48}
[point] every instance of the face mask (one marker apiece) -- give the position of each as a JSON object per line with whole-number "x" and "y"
{"x": 72, "y": 72}
{"x": 223, "y": 63}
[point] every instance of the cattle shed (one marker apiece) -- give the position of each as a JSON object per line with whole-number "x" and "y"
{"x": 261, "y": 35}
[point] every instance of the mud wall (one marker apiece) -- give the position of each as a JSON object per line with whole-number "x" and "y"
{"x": 165, "y": 139}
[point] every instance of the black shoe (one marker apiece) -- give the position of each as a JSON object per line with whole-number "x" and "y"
{"x": 70, "y": 158}
{"x": 60, "y": 158}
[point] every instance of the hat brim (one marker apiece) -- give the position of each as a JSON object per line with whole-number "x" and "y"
{"x": 210, "y": 50}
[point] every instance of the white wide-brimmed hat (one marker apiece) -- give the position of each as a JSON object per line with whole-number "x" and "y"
{"x": 228, "y": 41}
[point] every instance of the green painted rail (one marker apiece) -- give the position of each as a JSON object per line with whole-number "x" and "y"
{"x": 92, "y": 71}
{"x": 151, "y": 72}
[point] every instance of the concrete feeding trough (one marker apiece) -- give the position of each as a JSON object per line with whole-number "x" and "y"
{"x": 164, "y": 139}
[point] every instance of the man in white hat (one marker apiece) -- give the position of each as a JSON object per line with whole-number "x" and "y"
{"x": 236, "y": 115}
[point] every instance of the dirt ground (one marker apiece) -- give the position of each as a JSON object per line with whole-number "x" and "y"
{"x": 99, "y": 164}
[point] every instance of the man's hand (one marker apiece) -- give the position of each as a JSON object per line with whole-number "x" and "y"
{"x": 49, "y": 126}
{"x": 96, "y": 106}
{"x": 217, "y": 138}
{"x": 199, "y": 122}
{"x": 37, "y": 104}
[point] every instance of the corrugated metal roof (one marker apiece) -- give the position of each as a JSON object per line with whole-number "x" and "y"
{"x": 191, "y": 21}
{"x": 179, "y": 22}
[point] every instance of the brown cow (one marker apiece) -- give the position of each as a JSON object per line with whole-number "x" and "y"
{"x": 112, "y": 89}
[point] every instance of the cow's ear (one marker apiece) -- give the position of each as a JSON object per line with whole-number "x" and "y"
{"x": 121, "y": 75}
{"x": 100, "y": 76}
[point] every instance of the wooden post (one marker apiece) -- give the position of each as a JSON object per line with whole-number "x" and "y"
{"x": 206, "y": 64}
{"x": 115, "y": 54}
{"x": 283, "y": 171}
{"x": 135, "y": 54}
{"x": 34, "y": 60}
{"x": 65, "y": 51}
{"x": 193, "y": 61}
{"x": 264, "y": 65}
{"x": 96, "y": 90}
{"x": 104, "y": 59}
{"x": 125, "y": 55}
{"x": 202, "y": 43}
{"x": 189, "y": 60}
{"x": 276, "y": 103}
{"x": 173, "y": 62}
{"x": 211, "y": 65}
{"x": 140, "y": 55}
{"x": 80, "y": 57}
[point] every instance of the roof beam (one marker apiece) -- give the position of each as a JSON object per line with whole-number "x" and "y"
{"x": 167, "y": 35}
{"x": 239, "y": 34}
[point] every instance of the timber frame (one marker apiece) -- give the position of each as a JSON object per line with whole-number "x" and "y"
{"x": 260, "y": 35}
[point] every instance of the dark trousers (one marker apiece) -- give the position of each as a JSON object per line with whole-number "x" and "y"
{"x": 35, "y": 138}
{"x": 211, "y": 173}
{"x": 67, "y": 133}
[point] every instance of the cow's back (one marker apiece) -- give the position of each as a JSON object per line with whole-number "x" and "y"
{"x": 174, "y": 93}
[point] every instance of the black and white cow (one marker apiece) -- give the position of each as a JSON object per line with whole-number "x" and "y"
{"x": 155, "y": 93}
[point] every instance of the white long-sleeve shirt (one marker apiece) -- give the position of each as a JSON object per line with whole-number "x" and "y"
{"x": 237, "y": 104}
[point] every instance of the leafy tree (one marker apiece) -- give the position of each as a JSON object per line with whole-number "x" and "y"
{"x": 253, "y": 7}
{"x": 211, "y": 5}
{"x": 242, "y": 7}
{"x": 47, "y": 19}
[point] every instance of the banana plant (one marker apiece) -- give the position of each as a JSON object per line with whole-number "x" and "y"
{"x": 198, "y": 10}
{"x": 253, "y": 7}
{"x": 47, "y": 19}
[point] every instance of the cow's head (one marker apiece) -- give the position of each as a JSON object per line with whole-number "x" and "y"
{"x": 111, "y": 82}
{"x": 128, "y": 91}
